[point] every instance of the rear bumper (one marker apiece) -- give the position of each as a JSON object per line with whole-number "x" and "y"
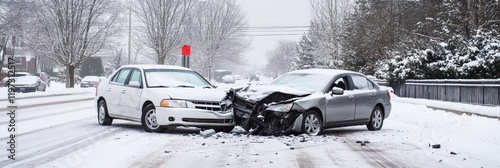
{"x": 193, "y": 117}
{"x": 387, "y": 109}
{"x": 24, "y": 89}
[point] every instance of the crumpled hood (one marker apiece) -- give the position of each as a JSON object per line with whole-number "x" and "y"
{"x": 255, "y": 93}
{"x": 199, "y": 94}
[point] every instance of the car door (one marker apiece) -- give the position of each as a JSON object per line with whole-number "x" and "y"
{"x": 114, "y": 90}
{"x": 131, "y": 95}
{"x": 340, "y": 108}
{"x": 365, "y": 97}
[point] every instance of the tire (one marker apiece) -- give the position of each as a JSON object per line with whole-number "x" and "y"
{"x": 102, "y": 114}
{"x": 311, "y": 123}
{"x": 376, "y": 119}
{"x": 224, "y": 129}
{"x": 148, "y": 119}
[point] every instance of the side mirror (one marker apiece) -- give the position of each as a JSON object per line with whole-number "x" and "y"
{"x": 134, "y": 84}
{"x": 337, "y": 91}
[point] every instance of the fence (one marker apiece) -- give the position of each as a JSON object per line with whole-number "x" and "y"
{"x": 471, "y": 91}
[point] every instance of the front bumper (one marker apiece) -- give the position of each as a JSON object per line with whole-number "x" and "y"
{"x": 193, "y": 117}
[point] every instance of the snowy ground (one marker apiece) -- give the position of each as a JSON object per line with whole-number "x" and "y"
{"x": 55, "y": 134}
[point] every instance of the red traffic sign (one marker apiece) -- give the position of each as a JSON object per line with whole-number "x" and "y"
{"x": 186, "y": 50}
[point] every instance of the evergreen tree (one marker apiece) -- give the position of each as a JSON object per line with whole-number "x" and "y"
{"x": 305, "y": 59}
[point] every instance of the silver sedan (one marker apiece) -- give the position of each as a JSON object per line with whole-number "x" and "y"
{"x": 309, "y": 101}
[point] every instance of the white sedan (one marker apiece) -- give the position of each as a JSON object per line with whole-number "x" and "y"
{"x": 160, "y": 97}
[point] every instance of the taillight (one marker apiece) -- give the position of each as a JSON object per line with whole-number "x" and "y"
{"x": 388, "y": 94}
{"x": 96, "y": 89}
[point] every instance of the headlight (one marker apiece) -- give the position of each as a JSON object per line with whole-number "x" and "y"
{"x": 174, "y": 103}
{"x": 32, "y": 85}
{"x": 280, "y": 107}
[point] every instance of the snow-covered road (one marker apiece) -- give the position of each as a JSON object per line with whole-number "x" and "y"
{"x": 67, "y": 135}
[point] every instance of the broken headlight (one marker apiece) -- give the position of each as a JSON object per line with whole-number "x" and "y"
{"x": 280, "y": 107}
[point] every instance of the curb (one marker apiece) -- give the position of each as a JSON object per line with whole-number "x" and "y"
{"x": 463, "y": 112}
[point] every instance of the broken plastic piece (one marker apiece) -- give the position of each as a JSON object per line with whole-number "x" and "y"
{"x": 436, "y": 146}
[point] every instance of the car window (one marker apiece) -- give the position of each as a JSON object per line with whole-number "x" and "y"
{"x": 135, "y": 75}
{"x": 370, "y": 85}
{"x": 342, "y": 83}
{"x": 360, "y": 82}
{"x": 120, "y": 77}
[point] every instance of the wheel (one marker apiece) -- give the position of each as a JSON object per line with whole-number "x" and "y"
{"x": 148, "y": 120}
{"x": 376, "y": 119}
{"x": 224, "y": 129}
{"x": 102, "y": 114}
{"x": 311, "y": 123}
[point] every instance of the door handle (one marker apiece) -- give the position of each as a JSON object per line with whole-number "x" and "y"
{"x": 373, "y": 94}
{"x": 109, "y": 89}
{"x": 351, "y": 97}
{"x": 123, "y": 91}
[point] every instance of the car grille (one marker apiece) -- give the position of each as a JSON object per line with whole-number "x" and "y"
{"x": 201, "y": 120}
{"x": 211, "y": 106}
{"x": 243, "y": 104}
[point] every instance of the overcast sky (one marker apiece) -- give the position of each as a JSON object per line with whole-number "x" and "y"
{"x": 272, "y": 17}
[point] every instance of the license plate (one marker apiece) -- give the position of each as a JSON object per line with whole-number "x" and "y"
{"x": 22, "y": 88}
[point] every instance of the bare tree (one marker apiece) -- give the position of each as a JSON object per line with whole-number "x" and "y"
{"x": 280, "y": 60}
{"x": 215, "y": 33}
{"x": 328, "y": 17}
{"x": 13, "y": 15}
{"x": 163, "y": 23}
{"x": 73, "y": 30}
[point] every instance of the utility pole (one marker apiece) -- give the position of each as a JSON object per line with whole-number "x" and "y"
{"x": 129, "y": 30}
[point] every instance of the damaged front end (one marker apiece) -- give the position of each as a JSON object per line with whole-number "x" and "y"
{"x": 265, "y": 113}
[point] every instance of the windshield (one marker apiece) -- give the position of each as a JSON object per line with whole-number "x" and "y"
{"x": 91, "y": 79}
{"x": 21, "y": 74}
{"x": 173, "y": 78}
{"x": 305, "y": 82}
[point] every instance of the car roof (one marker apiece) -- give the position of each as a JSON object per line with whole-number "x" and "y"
{"x": 328, "y": 72}
{"x": 26, "y": 77}
{"x": 155, "y": 66}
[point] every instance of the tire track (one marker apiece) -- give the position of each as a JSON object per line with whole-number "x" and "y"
{"x": 304, "y": 160}
{"x": 41, "y": 129}
{"x": 375, "y": 157}
{"x": 59, "y": 150}
{"x": 155, "y": 157}
{"x": 47, "y": 115}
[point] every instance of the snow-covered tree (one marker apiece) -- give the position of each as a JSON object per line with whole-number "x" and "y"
{"x": 70, "y": 31}
{"x": 310, "y": 51}
{"x": 215, "y": 33}
{"x": 280, "y": 60}
{"x": 475, "y": 58}
{"x": 163, "y": 24}
{"x": 327, "y": 28}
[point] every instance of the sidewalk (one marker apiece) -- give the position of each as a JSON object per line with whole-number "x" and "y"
{"x": 487, "y": 111}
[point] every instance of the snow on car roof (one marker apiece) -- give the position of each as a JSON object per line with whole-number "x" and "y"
{"x": 329, "y": 72}
{"x": 155, "y": 66}
{"x": 26, "y": 79}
